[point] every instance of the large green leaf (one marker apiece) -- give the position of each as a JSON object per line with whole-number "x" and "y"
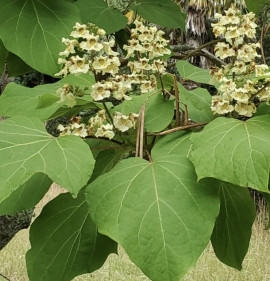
{"x": 98, "y": 12}
{"x": 256, "y": 6}
{"x": 26, "y": 148}
{"x": 33, "y": 30}
{"x": 194, "y": 73}
{"x": 163, "y": 12}
{"x": 157, "y": 212}
{"x": 3, "y": 56}
{"x": 70, "y": 244}
{"x": 198, "y": 102}
{"x": 177, "y": 143}
{"x": 232, "y": 231}
{"x": 17, "y": 100}
{"x": 234, "y": 151}
{"x": 26, "y": 196}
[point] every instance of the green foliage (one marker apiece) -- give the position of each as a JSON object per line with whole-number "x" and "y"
{"x": 256, "y": 6}
{"x": 193, "y": 73}
{"x": 189, "y": 184}
{"x": 26, "y": 196}
{"x": 164, "y": 229}
{"x": 26, "y": 148}
{"x": 198, "y": 102}
{"x": 234, "y": 151}
{"x": 237, "y": 214}
{"x": 70, "y": 243}
{"x": 41, "y": 101}
{"x": 98, "y": 12}
{"x": 33, "y": 30}
{"x": 162, "y": 12}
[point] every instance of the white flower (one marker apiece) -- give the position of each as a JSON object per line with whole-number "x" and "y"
{"x": 245, "y": 109}
{"x": 123, "y": 122}
{"x": 78, "y": 65}
{"x": 223, "y": 50}
{"x": 101, "y": 90}
{"x": 80, "y": 32}
{"x": 221, "y": 106}
{"x": 101, "y": 63}
{"x": 91, "y": 44}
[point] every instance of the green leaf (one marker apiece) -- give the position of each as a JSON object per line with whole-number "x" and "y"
{"x": 198, "y": 102}
{"x": 167, "y": 82}
{"x": 163, "y": 12}
{"x": 157, "y": 212}
{"x": 234, "y": 151}
{"x": 26, "y": 148}
{"x": 26, "y": 196}
{"x": 16, "y": 66}
{"x": 3, "y": 56}
{"x": 177, "y": 143}
{"x": 70, "y": 244}
{"x": 159, "y": 113}
{"x": 98, "y": 12}
{"x": 33, "y": 30}
{"x": 194, "y": 73}
{"x": 263, "y": 109}
{"x": 232, "y": 231}
{"x": 256, "y": 6}
{"x": 106, "y": 160}
{"x": 17, "y": 100}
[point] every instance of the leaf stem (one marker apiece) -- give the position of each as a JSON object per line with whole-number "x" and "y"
{"x": 178, "y": 129}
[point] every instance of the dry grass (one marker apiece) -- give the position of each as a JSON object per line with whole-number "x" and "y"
{"x": 119, "y": 268}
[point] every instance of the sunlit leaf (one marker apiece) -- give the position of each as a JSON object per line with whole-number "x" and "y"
{"x": 157, "y": 211}
{"x": 26, "y": 148}
{"x": 234, "y": 151}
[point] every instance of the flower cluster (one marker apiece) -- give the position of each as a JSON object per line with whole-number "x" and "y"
{"x": 98, "y": 125}
{"x": 76, "y": 127}
{"x": 89, "y": 51}
{"x": 242, "y": 81}
{"x": 96, "y": 54}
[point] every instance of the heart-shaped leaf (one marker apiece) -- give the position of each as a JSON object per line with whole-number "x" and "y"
{"x": 157, "y": 212}
{"x": 33, "y": 30}
{"x": 26, "y": 148}
{"x": 70, "y": 243}
{"x": 234, "y": 151}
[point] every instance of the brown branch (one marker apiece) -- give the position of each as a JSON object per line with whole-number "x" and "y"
{"x": 208, "y": 44}
{"x": 228, "y": 4}
{"x": 261, "y": 90}
{"x": 102, "y": 138}
{"x": 149, "y": 156}
{"x": 142, "y": 130}
{"x": 176, "y": 93}
{"x": 178, "y": 129}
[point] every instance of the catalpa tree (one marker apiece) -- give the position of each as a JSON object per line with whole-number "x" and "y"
{"x": 146, "y": 163}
